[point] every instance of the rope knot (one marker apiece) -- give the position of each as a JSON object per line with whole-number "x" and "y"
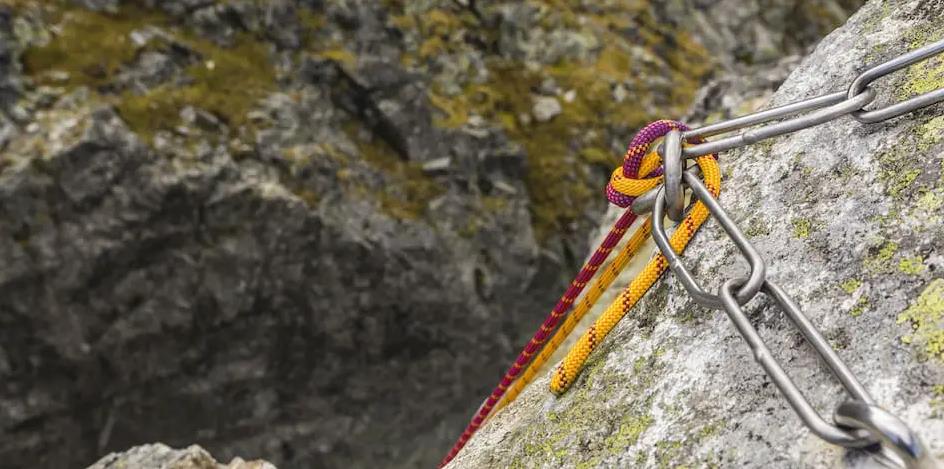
{"x": 641, "y": 170}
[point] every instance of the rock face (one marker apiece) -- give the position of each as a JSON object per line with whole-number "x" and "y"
{"x": 848, "y": 217}
{"x": 311, "y": 231}
{"x": 159, "y": 456}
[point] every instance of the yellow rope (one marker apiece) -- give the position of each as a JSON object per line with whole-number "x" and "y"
{"x": 649, "y": 162}
{"x": 576, "y": 358}
{"x": 599, "y": 286}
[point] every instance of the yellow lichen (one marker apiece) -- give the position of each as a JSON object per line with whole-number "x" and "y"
{"x": 937, "y": 401}
{"x": 860, "y": 307}
{"x": 630, "y": 428}
{"x": 879, "y": 262}
{"x": 801, "y": 228}
{"x": 924, "y": 76}
{"x": 912, "y": 265}
{"x": 851, "y": 285}
{"x": 926, "y": 316}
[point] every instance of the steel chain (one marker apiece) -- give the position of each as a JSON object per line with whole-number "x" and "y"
{"x": 859, "y": 422}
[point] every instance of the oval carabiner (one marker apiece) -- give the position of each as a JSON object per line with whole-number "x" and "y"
{"x": 757, "y": 275}
{"x": 902, "y": 107}
{"x": 898, "y": 443}
{"x": 786, "y": 386}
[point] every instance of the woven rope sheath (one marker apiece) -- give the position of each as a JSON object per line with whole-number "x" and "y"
{"x": 576, "y": 358}
{"x": 640, "y": 172}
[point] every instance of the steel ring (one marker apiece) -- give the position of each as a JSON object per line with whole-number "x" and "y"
{"x": 673, "y": 166}
{"x": 890, "y": 430}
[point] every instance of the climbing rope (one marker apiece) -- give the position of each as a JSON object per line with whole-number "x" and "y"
{"x": 650, "y": 180}
{"x": 640, "y": 173}
{"x": 576, "y": 358}
{"x": 599, "y": 286}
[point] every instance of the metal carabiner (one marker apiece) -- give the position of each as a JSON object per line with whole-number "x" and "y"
{"x": 802, "y": 407}
{"x": 894, "y": 110}
{"x": 749, "y": 289}
{"x": 672, "y": 165}
{"x": 898, "y": 443}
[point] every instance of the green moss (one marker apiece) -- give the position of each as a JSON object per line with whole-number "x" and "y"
{"x": 926, "y": 316}
{"x": 408, "y": 190}
{"x": 308, "y": 196}
{"x": 91, "y": 47}
{"x": 561, "y": 151}
{"x": 912, "y": 265}
{"x": 598, "y": 156}
{"x": 228, "y": 82}
{"x": 88, "y": 46}
{"x": 801, "y": 227}
{"x": 850, "y": 285}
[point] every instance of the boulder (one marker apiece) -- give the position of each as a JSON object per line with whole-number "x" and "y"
{"x": 310, "y": 231}
{"x": 848, "y": 218}
{"x": 161, "y": 456}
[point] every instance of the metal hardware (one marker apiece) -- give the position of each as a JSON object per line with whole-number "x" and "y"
{"x": 903, "y": 107}
{"x": 814, "y": 118}
{"x": 644, "y": 203}
{"x": 794, "y": 397}
{"x": 904, "y": 445}
{"x": 859, "y": 422}
{"x": 821, "y": 109}
{"x": 749, "y": 289}
{"x": 672, "y": 164}
{"x": 767, "y": 115}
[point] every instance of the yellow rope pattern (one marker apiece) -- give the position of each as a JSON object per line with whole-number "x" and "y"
{"x": 576, "y": 358}
{"x": 599, "y": 286}
{"x": 649, "y": 162}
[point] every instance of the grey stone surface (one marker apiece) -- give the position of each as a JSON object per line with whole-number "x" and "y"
{"x": 286, "y": 281}
{"x": 848, "y": 217}
{"x": 160, "y": 456}
{"x": 546, "y": 108}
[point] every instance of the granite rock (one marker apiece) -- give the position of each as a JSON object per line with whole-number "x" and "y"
{"x": 848, "y": 219}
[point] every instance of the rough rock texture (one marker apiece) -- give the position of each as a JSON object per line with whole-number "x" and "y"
{"x": 160, "y": 456}
{"x": 848, "y": 217}
{"x": 311, "y": 231}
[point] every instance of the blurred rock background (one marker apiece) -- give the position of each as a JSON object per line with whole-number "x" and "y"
{"x": 316, "y": 232}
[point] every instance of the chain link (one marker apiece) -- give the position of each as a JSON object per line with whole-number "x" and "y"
{"x": 758, "y": 269}
{"x": 859, "y": 422}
